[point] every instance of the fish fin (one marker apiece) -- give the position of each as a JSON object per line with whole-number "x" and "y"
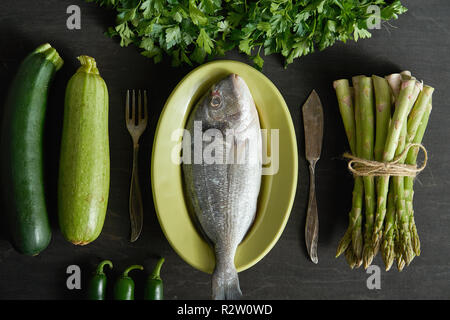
{"x": 225, "y": 285}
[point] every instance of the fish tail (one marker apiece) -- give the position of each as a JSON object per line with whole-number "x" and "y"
{"x": 225, "y": 284}
{"x": 225, "y": 281}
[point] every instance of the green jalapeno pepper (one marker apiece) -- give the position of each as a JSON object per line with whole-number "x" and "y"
{"x": 97, "y": 284}
{"x": 124, "y": 287}
{"x": 154, "y": 284}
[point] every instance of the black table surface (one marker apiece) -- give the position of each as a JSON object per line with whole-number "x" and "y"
{"x": 418, "y": 41}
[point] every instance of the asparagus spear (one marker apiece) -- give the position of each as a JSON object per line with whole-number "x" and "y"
{"x": 383, "y": 103}
{"x": 345, "y": 101}
{"x": 411, "y": 158}
{"x": 405, "y": 245}
{"x": 398, "y": 119}
{"x": 387, "y": 248}
{"x": 396, "y": 190}
{"x": 409, "y": 182}
{"x": 390, "y": 229}
{"x": 346, "y": 108}
{"x": 383, "y": 114}
{"x": 361, "y": 97}
{"x": 408, "y": 133}
{"x": 366, "y": 113}
{"x": 401, "y": 211}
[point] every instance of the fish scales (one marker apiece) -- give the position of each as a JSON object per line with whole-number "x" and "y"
{"x": 224, "y": 192}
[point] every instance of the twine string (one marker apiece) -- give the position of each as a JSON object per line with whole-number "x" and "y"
{"x": 363, "y": 167}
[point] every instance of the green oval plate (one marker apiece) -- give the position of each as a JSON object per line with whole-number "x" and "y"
{"x": 277, "y": 191}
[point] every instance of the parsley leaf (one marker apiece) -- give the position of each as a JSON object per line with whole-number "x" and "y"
{"x": 173, "y": 36}
{"x": 194, "y": 30}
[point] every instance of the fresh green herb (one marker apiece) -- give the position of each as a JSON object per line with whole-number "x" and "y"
{"x": 193, "y": 30}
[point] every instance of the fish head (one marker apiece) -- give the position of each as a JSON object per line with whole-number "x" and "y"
{"x": 229, "y": 104}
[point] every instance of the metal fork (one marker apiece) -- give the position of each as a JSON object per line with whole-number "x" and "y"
{"x": 136, "y": 124}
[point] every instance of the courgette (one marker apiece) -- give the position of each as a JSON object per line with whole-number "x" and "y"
{"x": 83, "y": 184}
{"x": 21, "y": 144}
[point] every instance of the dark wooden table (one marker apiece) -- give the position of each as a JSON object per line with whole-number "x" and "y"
{"x": 419, "y": 41}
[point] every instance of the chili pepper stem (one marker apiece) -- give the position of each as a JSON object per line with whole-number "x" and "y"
{"x": 156, "y": 274}
{"x": 101, "y": 266}
{"x": 130, "y": 268}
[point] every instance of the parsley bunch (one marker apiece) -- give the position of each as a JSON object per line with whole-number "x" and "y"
{"x": 194, "y": 30}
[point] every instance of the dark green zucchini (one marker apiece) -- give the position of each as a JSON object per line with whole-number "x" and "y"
{"x": 21, "y": 143}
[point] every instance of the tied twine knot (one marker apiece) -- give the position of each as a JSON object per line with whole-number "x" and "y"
{"x": 364, "y": 167}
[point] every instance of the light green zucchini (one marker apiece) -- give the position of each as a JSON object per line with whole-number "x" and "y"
{"x": 84, "y": 172}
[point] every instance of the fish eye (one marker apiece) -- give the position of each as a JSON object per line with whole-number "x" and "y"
{"x": 216, "y": 101}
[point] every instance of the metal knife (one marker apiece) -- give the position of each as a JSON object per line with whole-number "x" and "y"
{"x": 313, "y": 125}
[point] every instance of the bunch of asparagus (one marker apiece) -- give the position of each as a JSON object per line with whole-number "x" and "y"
{"x": 382, "y": 117}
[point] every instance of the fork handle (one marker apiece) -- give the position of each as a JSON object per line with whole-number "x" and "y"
{"x": 312, "y": 217}
{"x": 135, "y": 203}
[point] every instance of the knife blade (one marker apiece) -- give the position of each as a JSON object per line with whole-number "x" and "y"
{"x": 313, "y": 126}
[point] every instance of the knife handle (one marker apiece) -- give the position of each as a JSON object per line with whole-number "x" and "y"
{"x": 312, "y": 217}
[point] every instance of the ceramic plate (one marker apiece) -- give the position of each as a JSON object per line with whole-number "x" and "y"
{"x": 277, "y": 190}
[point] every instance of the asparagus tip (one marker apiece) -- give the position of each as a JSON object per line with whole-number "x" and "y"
{"x": 340, "y": 249}
{"x": 388, "y": 253}
{"x": 376, "y": 241}
{"x": 344, "y": 243}
{"x": 406, "y": 245}
{"x": 388, "y": 263}
{"x": 400, "y": 264}
{"x": 415, "y": 239}
{"x": 349, "y": 256}
{"x": 357, "y": 243}
{"x": 367, "y": 255}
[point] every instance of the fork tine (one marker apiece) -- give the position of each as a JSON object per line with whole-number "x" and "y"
{"x": 133, "y": 110}
{"x": 139, "y": 107}
{"x": 127, "y": 107}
